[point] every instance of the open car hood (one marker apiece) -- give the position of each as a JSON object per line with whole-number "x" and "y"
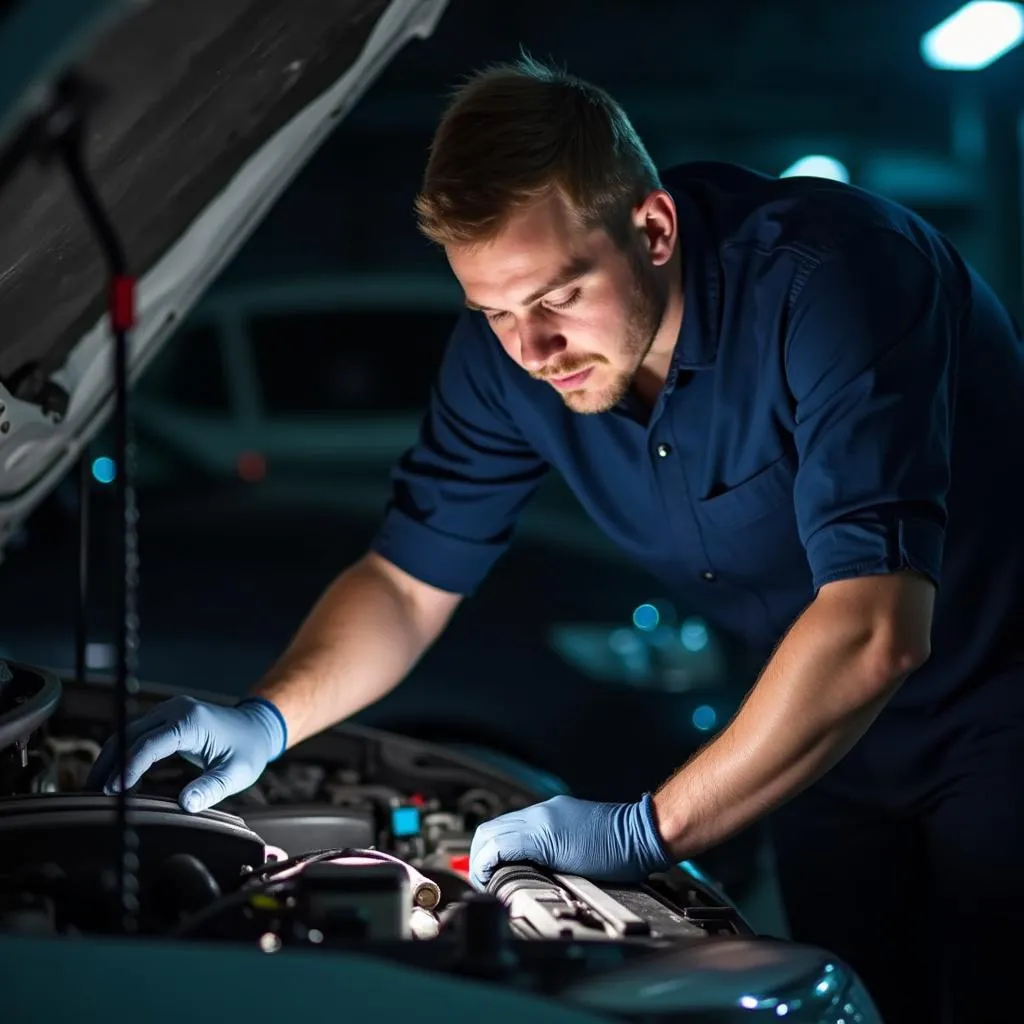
{"x": 206, "y": 111}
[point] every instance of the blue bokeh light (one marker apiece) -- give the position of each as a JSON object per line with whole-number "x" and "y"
{"x": 646, "y": 617}
{"x": 704, "y": 718}
{"x": 104, "y": 470}
{"x": 694, "y": 634}
{"x": 624, "y": 641}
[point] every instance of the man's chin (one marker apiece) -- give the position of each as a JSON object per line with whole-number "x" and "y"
{"x": 588, "y": 401}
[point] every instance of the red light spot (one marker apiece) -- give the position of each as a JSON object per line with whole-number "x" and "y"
{"x": 417, "y": 800}
{"x": 459, "y": 864}
{"x": 252, "y": 467}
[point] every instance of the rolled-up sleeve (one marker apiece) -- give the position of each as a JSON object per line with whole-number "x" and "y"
{"x": 457, "y": 493}
{"x": 870, "y": 359}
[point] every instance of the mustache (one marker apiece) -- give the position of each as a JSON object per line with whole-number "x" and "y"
{"x": 567, "y": 369}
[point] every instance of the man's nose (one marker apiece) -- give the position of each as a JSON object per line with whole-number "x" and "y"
{"x": 538, "y": 342}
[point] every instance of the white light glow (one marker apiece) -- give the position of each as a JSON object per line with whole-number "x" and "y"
{"x": 818, "y": 166}
{"x": 974, "y": 36}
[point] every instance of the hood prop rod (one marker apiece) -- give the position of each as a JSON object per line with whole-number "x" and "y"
{"x": 61, "y": 129}
{"x": 82, "y": 609}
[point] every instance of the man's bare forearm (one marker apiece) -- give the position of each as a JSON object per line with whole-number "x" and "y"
{"x": 825, "y": 685}
{"x": 359, "y": 642}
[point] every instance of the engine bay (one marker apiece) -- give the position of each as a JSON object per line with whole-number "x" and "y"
{"x": 353, "y": 841}
{"x": 335, "y": 831}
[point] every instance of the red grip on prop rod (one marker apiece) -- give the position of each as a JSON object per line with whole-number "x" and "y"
{"x": 122, "y": 303}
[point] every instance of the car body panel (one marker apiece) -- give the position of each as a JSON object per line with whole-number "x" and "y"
{"x": 167, "y": 982}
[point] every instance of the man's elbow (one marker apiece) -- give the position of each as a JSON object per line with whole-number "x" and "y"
{"x": 910, "y": 625}
{"x": 892, "y": 619}
{"x": 893, "y": 656}
{"x": 901, "y": 660}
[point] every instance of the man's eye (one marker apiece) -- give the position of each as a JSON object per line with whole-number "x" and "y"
{"x": 496, "y": 315}
{"x": 571, "y": 301}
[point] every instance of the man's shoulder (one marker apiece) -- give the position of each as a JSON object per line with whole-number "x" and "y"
{"x": 471, "y": 355}
{"x": 741, "y": 205}
{"x": 476, "y": 371}
{"x": 475, "y": 351}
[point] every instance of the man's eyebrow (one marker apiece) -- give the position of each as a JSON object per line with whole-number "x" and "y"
{"x": 571, "y": 272}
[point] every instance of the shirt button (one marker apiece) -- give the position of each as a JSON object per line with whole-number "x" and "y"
{"x": 663, "y": 450}
{"x": 708, "y": 575}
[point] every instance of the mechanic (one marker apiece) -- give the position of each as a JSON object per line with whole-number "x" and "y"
{"x": 795, "y": 404}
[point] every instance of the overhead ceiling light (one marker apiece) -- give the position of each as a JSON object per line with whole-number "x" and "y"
{"x": 818, "y": 166}
{"x": 974, "y": 36}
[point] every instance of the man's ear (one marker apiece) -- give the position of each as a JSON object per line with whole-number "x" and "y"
{"x": 657, "y": 221}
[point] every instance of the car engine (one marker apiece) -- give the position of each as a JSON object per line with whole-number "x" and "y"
{"x": 358, "y": 840}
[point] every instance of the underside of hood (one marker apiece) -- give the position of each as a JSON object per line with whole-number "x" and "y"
{"x": 205, "y": 111}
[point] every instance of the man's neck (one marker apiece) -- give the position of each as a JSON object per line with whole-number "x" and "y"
{"x": 653, "y": 372}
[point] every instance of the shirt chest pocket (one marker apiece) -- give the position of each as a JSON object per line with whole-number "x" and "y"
{"x": 767, "y": 493}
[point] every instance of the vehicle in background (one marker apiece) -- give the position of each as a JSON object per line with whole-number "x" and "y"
{"x": 321, "y": 375}
{"x": 306, "y": 387}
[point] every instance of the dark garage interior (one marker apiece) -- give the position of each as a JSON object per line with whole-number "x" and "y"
{"x": 290, "y": 323}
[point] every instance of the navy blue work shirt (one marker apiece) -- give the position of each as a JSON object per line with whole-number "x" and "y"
{"x": 846, "y": 398}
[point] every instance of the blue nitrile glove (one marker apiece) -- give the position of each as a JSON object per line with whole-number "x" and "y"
{"x": 232, "y": 746}
{"x": 606, "y": 842}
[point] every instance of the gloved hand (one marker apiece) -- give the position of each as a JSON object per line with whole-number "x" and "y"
{"x": 232, "y": 744}
{"x": 606, "y": 842}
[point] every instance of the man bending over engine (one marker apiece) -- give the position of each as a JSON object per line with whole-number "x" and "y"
{"x": 794, "y": 403}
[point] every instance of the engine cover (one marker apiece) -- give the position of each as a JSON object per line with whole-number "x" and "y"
{"x": 303, "y": 827}
{"x": 78, "y": 832}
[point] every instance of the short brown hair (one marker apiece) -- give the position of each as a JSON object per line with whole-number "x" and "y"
{"x": 515, "y": 132}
